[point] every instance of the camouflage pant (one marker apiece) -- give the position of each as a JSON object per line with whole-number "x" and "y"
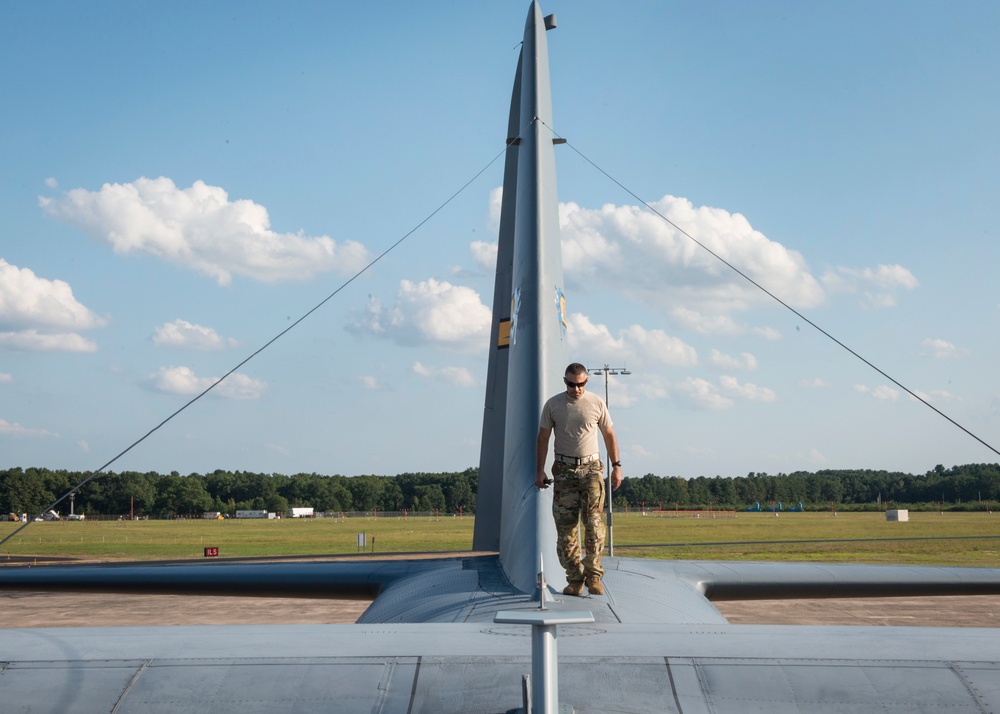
{"x": 579, "y": 493}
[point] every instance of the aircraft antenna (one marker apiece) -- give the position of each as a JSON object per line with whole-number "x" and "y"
{"x": 541, "y": 582}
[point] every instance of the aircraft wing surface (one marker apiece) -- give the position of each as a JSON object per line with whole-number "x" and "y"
{"x": 353, "y": 579}
{"x": 478, "y": 668}
{"x": 740, "y": 580}
{"x": 475, "y": 588}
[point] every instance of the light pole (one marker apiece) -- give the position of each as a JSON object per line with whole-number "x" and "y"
{"x": 606, "y": 370}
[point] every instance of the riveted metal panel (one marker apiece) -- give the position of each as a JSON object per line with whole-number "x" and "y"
{"x": 832, "y": 686}
{"x": 273, "y": 685}
{"x": 63, "y": 686}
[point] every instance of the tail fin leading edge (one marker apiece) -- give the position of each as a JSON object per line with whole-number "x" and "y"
{"x": 528, "y": 352}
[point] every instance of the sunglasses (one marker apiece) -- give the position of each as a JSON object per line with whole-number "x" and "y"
{"x": 578, "y": 385}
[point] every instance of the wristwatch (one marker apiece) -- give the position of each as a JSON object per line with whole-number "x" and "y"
{"x": 616, "y": 463}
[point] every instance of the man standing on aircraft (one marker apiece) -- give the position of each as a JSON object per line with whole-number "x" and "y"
{"x": 576, "y": 416}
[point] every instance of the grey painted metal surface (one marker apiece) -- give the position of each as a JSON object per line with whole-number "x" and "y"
{"x": 544, "y": 682}
{"x": 537, "y": 353}
{"x": 477, "y": 668}
{"x": 428, "y": 642}
{"x": 474, "y": 589}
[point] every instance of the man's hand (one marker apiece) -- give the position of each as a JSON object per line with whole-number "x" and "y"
{"x": 541, "y": 450}
{"x": 616, "y": 477}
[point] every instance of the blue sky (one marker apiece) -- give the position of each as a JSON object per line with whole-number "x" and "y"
{"x": 182, "y": 181}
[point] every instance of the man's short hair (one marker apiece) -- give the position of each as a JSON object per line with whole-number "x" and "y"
{"x": 576, "y": 368}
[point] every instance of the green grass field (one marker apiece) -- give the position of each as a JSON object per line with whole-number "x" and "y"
{"x": 965, "y": 538}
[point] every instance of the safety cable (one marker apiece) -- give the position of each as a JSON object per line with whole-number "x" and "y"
{"x": 767, "y": 292}
{"x": 93, "y": 474}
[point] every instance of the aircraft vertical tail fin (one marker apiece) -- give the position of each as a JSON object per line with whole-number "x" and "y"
{"x": 528, "y": 352}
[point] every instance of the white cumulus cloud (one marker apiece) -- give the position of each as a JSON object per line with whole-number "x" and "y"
{"x": 723, "y": 361}
{"x": 6, "y": 377}
{"x": 496, "y": 203}
{"x": 430, "y": 312}
{"x": 656, "y": 346}
{"x": 587, "y": 337}
{"x": 702, "y": 394}
{"x": 750, "y": 392}
{"x": 15, "y": 430}
{"x": 181, "y": 333}
{"x": 648, "y": 259}
{"x": 634, "y": 344}
{"x": 199, "y": 228}
{"x": 937, "y": 395}
{"x": 815, "y": 456}
{"x": 717, "y": 324}
{"x": 878, "y": 287}
{"x": 182, "y": 380}
{"x": 35, "y": 341}
{"x": 883, "y": 392}
{"x": 699, "y": 393}
{"x": 457, "y": 376}
{"x": 485, "y": 254}
{"x": 42, "y": 315}
{"x": 636, "y": 253}
{"x": 370, "y": 382}
{"x": 942, "y": 349}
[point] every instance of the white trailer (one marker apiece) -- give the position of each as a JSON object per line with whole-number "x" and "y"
{"x": 304, "y": 512}
{"x": 254, "y": 514}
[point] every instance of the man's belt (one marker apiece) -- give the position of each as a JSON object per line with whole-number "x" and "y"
{"x": 577, "y": 460}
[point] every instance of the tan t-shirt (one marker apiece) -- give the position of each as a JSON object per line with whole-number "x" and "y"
{"x": 575, "y": 422}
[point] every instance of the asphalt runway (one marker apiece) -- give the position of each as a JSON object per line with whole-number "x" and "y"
{"x": 41, "y": 609}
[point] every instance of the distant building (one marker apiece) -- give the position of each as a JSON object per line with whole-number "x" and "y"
{"x": 254, "y": 514}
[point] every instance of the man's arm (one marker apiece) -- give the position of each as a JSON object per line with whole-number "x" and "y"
{"x": 611, "y": 442}
{"x": 541, "y": 453}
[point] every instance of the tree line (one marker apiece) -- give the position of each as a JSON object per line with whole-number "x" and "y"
{"x": 863, "y": 488}
{"x": 152, "y": 494}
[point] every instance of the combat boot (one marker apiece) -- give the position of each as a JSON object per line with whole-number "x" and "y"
{"x": 574, "y": 588}
{"x": 595, "y": 586}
